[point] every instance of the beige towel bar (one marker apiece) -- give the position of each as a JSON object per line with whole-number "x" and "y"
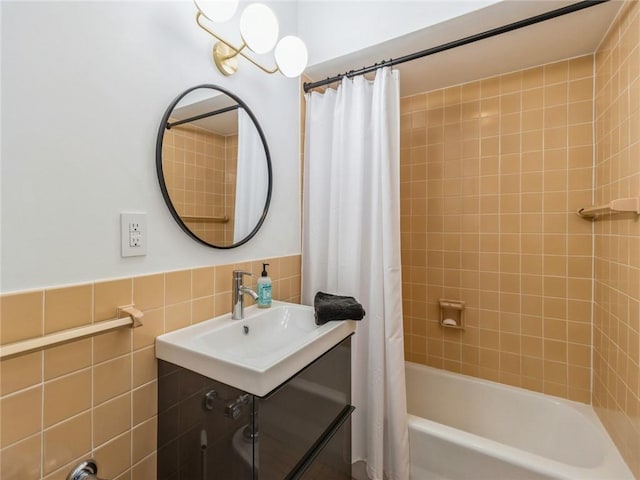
{"x": 133, "y": 319}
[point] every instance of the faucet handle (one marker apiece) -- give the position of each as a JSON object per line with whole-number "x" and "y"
{"x": 238, "y": 274}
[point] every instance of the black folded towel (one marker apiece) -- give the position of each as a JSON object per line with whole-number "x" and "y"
{"x": 330, "y": 307}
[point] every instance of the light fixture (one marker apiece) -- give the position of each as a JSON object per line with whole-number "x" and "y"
{"x": 217, "y": 10}
{"x": 259, "y": 31}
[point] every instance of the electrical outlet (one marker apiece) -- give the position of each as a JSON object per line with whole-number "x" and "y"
{"x": 133, "y": 227}
{"x": 135, "y": 240}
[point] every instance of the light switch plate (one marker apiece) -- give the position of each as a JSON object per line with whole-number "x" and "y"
{"x": 133, "y": 230}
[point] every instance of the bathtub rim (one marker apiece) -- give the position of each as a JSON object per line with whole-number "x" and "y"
{"x": 612, "y": 462}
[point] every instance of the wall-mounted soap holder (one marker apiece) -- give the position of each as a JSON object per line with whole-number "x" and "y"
{"x": 451, "y": 313}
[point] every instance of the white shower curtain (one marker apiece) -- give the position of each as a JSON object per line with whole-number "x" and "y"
{"x": 251, "y": 178}
{"x": 351, "y": 246}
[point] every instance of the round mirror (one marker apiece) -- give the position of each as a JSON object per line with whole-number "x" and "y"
{"x": 214, "y": 167}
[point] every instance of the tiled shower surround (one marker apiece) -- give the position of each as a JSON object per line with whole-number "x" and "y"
{"x": 492, "y": 173}
{"x": 96, "y": 397}
{"x": 616, "y": 322}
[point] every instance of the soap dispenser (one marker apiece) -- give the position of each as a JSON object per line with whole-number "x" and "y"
{"x": 264, "y": 288}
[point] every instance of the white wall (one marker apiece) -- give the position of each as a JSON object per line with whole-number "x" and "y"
{"x": 84, "y": 85}
{"x": 335, "y": 28}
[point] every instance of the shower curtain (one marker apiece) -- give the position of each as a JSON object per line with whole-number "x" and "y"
{"x": 351, "y": 246}
{"x": 251, "y": 183}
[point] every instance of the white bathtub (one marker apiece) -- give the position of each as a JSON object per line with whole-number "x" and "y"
{"x": 464, "y": 428}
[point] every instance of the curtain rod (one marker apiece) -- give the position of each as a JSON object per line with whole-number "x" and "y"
{"x": 458, "y": 43}
{"x": 201, "y": 116}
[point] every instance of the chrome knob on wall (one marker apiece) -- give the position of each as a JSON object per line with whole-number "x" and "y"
{"x": 86, "y": 470}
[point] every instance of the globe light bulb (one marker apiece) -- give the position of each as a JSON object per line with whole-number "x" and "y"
{"x": 291, "y": 56}
{"x": 217, "y": 10}
{"x": 259, "y": 28}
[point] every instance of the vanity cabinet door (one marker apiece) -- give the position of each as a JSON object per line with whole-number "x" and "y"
{"x": 210, "y": 431}
{"x": 298, "y": 414}
{"x": 198, "y": 438}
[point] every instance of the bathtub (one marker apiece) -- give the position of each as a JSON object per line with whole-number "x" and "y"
{"x": 464, "y": 428}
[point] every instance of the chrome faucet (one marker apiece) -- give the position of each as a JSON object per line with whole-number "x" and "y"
{"x": 238, "y": 291}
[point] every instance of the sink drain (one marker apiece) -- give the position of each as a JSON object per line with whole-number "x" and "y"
{"x": 245, "y": 330}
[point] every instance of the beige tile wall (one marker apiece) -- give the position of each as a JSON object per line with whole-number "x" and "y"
{"x": 616, "y": 390}
{"x": 491, "y": 174}
{"x": 200, "y": 173}
{"x": 96, "y": 397}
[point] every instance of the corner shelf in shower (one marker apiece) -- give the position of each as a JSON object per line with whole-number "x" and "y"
{"x": 619, "y": 205}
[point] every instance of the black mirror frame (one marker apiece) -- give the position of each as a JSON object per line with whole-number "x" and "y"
{"x": 163, "y": 186}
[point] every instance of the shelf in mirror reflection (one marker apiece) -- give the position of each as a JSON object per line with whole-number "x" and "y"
{"x": 189, "y": 218}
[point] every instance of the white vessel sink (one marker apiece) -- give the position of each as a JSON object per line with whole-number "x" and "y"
{"x": 255, "y": 354}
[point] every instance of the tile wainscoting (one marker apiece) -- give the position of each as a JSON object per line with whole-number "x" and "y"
{"x": 96, "y": 397}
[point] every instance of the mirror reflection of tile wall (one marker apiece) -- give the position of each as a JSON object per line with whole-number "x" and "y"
{"x": 200, "y": 173}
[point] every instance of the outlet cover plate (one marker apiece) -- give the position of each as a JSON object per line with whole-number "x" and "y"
{"x": 133, "y": 232}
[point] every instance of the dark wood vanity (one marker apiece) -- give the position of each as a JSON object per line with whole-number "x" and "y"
{"x": 301, "y": 430}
